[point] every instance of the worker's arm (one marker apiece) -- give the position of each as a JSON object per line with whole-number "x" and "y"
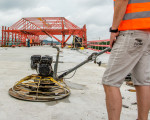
{"x": 119, "y": 11}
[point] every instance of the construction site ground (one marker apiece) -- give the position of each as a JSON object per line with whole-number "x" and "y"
{"x": 87, "y": 99}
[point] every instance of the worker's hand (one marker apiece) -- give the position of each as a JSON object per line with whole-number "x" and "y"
{"x": 113, "y": 38}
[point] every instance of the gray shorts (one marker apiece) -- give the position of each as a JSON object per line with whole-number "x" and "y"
{"x": 131, "y": 52}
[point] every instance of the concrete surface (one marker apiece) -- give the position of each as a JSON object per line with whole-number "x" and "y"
{"x": 87, "y": 99}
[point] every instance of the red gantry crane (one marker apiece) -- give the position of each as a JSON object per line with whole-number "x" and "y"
{"x": 39, "y": 28}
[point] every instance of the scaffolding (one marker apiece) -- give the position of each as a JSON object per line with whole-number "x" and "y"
{"x": 37, "y": 29}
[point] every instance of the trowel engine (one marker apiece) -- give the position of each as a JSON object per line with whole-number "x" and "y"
{"x": 42, "y": 64}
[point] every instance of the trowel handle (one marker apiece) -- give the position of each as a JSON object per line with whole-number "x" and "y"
{"x": 56, "y": 64}
{"x": 82, "y": 63}
{"x": 56, "y": 48}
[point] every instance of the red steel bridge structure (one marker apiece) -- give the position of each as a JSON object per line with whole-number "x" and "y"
{"x": 39, "y": 28}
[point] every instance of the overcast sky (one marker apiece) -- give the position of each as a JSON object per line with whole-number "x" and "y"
{"x": 96, "y": 14}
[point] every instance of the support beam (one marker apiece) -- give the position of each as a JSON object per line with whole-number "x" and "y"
{"x": 2, "y": 35}
{"x": 8, "y": 35}
{"x": 56, "y": 38}
{"x": 63, "y": 41}
{"x": 5, "y": 37}
{"x": 68, "y": 38}
{"x": 12, "y": 38}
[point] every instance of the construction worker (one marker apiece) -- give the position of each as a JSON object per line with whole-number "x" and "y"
{"x": 28, "y": 43}
{"x": 130, "y": 43}
{"x": 31, "y": 42}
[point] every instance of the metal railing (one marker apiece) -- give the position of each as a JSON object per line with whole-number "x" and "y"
{"x": 98, "y": 45}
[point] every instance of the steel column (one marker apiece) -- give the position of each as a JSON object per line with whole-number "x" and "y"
{"x": 2, "y": 35}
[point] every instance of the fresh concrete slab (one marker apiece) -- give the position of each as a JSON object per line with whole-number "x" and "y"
{"x": 87, "y": 99}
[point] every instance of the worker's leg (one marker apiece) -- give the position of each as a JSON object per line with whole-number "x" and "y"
{"x": 125, "y": 54}
{"x": 141, "y": 80}
{"x": 113, "y": 102}
{"x": 143, "y": 101}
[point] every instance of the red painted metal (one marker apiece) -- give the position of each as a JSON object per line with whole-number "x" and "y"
{"x": 92, "y": 45}
{"x": 2, "y": 35}
{"x": 39, "y": 28}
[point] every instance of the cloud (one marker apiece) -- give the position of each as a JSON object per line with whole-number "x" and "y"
{"x": 41, "y": 11}
{"x": 96, "y": 14}
{"x": 94, "y": 3}
{"x": 7, "y": 18}
{"x": 17, "y": 4}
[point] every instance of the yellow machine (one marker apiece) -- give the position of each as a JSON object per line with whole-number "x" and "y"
{"x": 46, "y": 85}
{"x": 38, "y": 88}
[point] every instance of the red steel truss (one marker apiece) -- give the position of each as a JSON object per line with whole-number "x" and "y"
{"x": 39, "y": 28}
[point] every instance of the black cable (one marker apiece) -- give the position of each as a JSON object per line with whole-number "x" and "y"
{"x": 83, "y": 53}
{"x": 72, "y": 75}
{"x": 63, "y": 71}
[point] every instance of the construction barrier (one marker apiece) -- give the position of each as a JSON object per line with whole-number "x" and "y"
{"x": 98, "y": 45}
{"x": 18, "y": 43}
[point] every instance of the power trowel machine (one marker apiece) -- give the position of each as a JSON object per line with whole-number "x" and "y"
{"x": 46, "y": 85}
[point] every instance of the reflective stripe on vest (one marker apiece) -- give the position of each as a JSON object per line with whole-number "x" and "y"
{"x": 137, "y": 15}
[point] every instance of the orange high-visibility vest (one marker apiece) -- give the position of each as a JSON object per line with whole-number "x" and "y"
{"x": 137, "y": 15}
{"x": 30, "y": 41}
